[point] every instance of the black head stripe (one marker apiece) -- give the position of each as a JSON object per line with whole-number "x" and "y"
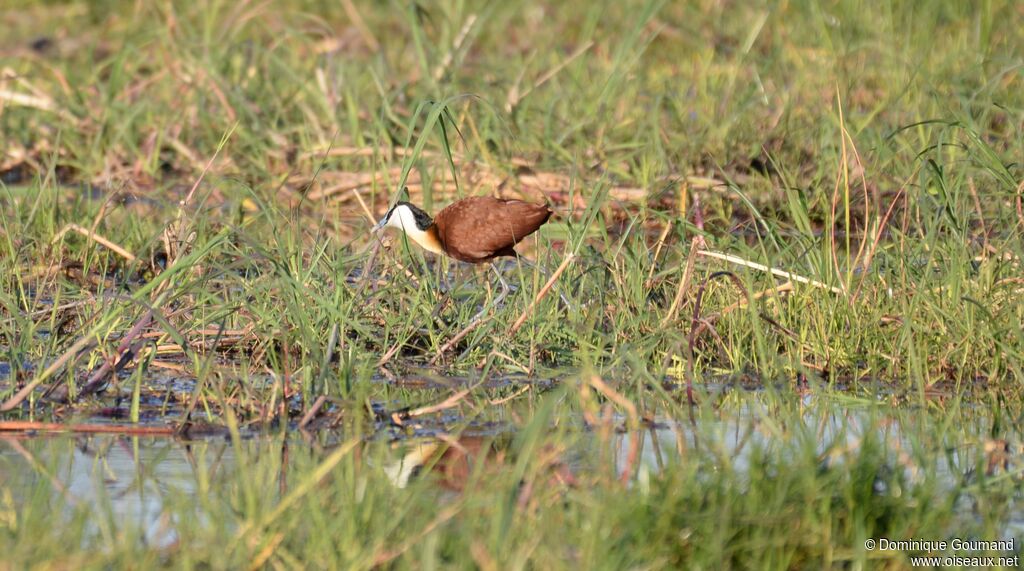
{"x": 423, "y": 220}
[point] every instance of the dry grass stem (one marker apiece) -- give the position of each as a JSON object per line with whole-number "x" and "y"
{"x": 91, "y": 235}
{"x": 458, "y": 337}
{"x": 774, "y": 271}
{"x": 696, "y": 244}
{"x": 542, "y": 293}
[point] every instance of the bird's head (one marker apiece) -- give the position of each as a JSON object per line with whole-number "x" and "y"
{"x": 416, "y": 224}
{"x": 405, "y": 217}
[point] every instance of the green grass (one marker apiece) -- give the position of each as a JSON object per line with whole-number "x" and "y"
{"x": 758, "y": 484}
{"x": 871, "y": 148}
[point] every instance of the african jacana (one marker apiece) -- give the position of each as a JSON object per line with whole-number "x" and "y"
{"x": 458, "y": 462}
{"x": 475, "y": 230}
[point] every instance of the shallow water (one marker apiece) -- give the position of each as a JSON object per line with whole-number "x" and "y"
{"x": 145, "y": 481}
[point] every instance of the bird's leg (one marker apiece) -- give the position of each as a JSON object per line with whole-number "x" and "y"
{"x": 443, "y": 267}
{"x": 487, "y": 283}
{"x": 450, "y": 284}
{"x": 498, "y": 300}
{"x": 547, "y": 274}
{"x": 504, "y": 285}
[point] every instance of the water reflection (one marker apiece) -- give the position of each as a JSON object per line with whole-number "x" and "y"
{"x": 131, "y": 479}
{"x": 141, "y": 481}
{"x": 454, "y": 463}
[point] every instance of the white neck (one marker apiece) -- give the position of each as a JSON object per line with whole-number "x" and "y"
{"x": 403, "y": 219}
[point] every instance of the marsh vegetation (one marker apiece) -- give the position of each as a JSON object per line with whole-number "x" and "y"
{"x": 777, "y": 311}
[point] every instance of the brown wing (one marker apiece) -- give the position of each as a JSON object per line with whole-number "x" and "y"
{"x": 481, "y": 228}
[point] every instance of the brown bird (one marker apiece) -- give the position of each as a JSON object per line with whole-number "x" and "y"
{"x": 457, "y": 463}
{"x": 475, "y": 230}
